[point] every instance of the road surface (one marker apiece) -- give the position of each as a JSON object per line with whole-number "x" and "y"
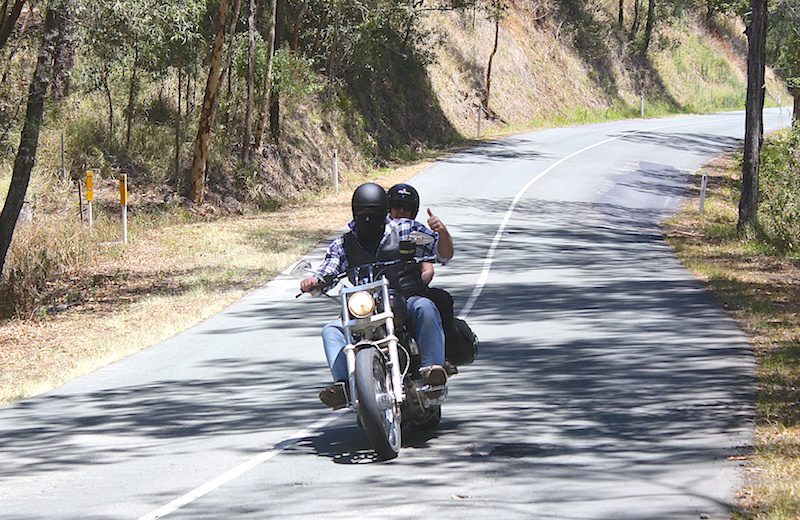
{"x": 609, "y": 384}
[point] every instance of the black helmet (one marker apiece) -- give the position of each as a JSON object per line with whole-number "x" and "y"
{"x": 404, "y": 195}
{"x": 370, "y": 198}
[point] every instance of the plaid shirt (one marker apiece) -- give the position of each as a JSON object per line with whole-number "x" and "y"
{"x": 335, "y": 261}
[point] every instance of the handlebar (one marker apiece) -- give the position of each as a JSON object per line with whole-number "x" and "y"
{"x": 331, "y": 280}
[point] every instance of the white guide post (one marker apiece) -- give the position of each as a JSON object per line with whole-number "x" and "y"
{"x": 123, "y": 200}
{"x": 336, "y": 170}
{"x": 703, "y": 185}
{"x": 89, "y": 196}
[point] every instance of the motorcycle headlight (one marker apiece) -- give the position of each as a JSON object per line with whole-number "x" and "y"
{"x": 361, "y": 304}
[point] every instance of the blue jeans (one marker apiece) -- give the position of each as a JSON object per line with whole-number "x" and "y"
{"x": 425, "y": 323}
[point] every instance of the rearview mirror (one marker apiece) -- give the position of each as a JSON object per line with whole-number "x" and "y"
{"x": 418, "y": 238}
{"x": 301, "y": 268}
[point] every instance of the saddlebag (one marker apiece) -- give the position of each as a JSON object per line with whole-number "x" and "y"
{"x": 461, "y": 345}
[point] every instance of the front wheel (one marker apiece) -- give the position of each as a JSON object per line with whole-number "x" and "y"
{"x": 377, "y": 409}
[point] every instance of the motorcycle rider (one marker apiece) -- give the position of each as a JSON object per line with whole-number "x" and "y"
{"x": 373, "y": 235}
{"x": 404, "y": 204}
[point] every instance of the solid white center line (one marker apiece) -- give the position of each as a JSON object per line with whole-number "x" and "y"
{"x": 211, "y": 485}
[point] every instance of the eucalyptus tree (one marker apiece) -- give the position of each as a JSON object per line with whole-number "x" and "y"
{"x": 54, "y": 23}
{"x": 754, "y": 121}
{"x": 266, "y": 88}
{"x": 196, "y": 184}
{"x": 117, "y": 38}
{"x": 10, "y": 11}
{"x": 496, "y": 10}
{"x": 181, "y": 25}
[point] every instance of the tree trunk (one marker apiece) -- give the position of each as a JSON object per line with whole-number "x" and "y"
{"x": 274, "y": 99}
{"x": 237, "y": 5}
{"x": 9, "y": 20}
{"x": 796, "y": 91}
{"x": 189, "y": 93}
{"x": 197, "y": 179}
{"x": 178, "y": 123}
{"x": 294, "y": 40}
{"x": 635, "y": 25}
{"x": 29, "y": 139}
{"x": 491, "y": 59}
{"x": 621, "y": 14}
{"x": 315, "y": 46}
{"x": 334, "y": 46}
{"x": 248, "y": 115}
{"x": 262, "y": 120}
{"x": 110, "y": 101}
{"x": 132, "y": 98}
{"x": 63, "y": 60}
{"x": 648, "y": 26}
{"x": 754, "y": 122}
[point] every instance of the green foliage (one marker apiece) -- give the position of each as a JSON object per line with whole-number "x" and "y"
{"x": 293, "y": 76}
{"x": 779, "y": 208}
{"x": 240, "y": 46}
{"x": 783, "y": 43}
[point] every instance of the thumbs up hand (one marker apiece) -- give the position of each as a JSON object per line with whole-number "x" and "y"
{"x": 445, "y": 240}
{"x": 435, "y": 223}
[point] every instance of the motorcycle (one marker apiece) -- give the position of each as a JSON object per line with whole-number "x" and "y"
{"x": 386, "y": 390}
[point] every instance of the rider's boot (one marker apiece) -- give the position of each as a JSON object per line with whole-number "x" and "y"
{"x": 434, "y": 376}
{"x": 335, "y": 396}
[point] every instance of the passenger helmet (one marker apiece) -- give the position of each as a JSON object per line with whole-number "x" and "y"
{"x": 404, "y": 195}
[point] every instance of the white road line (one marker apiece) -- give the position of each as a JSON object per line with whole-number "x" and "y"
{"x": 487, "y": 263}
{"x": 239, "y": 470}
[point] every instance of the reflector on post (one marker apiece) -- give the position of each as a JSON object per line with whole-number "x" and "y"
{"x": 123, "y": 189}
{"x": 89, "y": 185}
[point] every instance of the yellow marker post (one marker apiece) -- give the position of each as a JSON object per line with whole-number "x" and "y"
{"x": 89, "y": 194}
{"x": 123, "y": 200}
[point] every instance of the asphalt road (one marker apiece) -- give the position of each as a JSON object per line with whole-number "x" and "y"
{"x": 609, "y": 384}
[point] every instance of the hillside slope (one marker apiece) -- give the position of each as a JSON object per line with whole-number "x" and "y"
{"x": 572, "y": 63}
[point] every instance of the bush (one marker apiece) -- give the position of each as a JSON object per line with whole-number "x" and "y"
{"x": 779, "y": 206}
{"x": 40, "y": 253}
{"x": 294, "y": 77}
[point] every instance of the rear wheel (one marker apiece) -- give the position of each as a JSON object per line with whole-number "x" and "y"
{"x": 379, "y": 413}
{"x": 431, "y": 418}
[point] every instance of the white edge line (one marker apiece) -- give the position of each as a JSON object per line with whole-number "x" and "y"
{"x": 487, "y": 263}
{"x": 239, "y": 470}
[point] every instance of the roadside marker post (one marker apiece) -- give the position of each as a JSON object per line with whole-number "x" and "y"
{"x": 703, "y": 185}
{"x": 89, "y": 195}
{"x": 336, "y": 171}
{"x": 123, "y": 200}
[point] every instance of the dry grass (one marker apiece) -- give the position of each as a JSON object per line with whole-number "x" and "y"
{"x": 760, "y": 290}
{"x": 188, "y": 271}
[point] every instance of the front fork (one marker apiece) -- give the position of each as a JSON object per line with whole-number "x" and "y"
{"x": 394, "y": 364}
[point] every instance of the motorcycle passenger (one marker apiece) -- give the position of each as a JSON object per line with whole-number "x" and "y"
{"x": 372, "y": 235}
{"x": 404, "y": 204}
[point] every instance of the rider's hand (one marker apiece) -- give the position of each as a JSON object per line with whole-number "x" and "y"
{"x": 445, "y": 240}
{"x": 309, "y": 284}
{"x": 435, "y": 223}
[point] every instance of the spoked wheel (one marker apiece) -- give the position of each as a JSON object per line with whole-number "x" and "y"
{"x": 379, "y": 413}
